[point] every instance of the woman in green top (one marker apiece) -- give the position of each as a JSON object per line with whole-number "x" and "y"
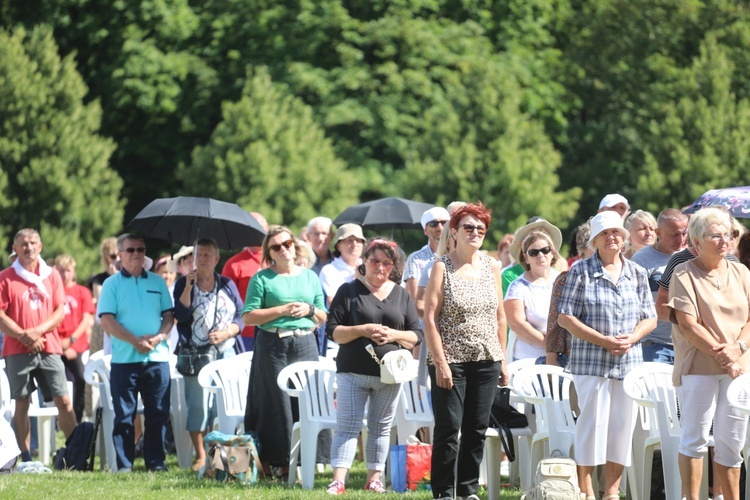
{"x": 286, "y": 302}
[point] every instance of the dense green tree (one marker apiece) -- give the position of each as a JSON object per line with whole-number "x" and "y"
{"x": 270, "y": 156}
{"x": 54, "y": 171}
{"x": 700, "y": 142}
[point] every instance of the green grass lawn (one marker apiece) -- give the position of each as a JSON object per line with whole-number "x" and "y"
{"x": 180, "y": 483}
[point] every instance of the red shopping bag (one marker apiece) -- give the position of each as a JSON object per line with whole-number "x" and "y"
{"x": 418, "y": 466}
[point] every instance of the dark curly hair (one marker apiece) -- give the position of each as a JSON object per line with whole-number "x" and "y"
{"x": 391, "y": 250}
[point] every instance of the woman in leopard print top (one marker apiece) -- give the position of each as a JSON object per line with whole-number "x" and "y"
{"x": 465, "y": 330}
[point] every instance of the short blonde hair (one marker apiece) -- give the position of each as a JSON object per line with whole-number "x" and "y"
{"x": 65, "y": 261}
{"x": 641, "y": 215}
{"x": 107, "y": 248}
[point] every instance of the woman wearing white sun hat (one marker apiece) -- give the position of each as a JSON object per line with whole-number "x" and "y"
{"x": 607, "y": 306}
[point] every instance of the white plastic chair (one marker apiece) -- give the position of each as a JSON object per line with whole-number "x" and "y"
{"x": 228, "y": 380}
{"x": 178, "y": 413}
{"x": 547, "y": 387}
{"x": 650, "y": 385}
{"x": 738, "y": 395}
{"x": 313, "y": 383}
{"x": 7, "y": 405}
{"x": 96, "y": 374}
{"x": 414, "y": 411}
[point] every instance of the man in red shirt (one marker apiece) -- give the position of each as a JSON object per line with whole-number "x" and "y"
{"x": 240, "y": 269}
{"x": 32, "y": 304}
{"x": 75, "y": 328}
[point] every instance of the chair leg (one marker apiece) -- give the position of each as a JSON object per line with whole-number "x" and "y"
{"x": 293, "y": 454}
{"x": 492, "y": 453}
{"x": 309, "y": 450}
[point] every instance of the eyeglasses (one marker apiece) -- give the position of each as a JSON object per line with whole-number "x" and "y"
{"x": 384, "y": 263}
{"x": 717, "y": 237}
{"x": 536, "y": 251}
{"x": 286, "y": 244}
{"x": 436, "y": 223}
{"x": 470, "y": 228}
{"x": 134, "y": 250}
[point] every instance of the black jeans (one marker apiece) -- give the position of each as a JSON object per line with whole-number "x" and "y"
{"x": 455, "y": 464}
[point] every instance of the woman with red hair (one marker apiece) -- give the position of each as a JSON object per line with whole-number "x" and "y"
{"x": 465, "y": 330}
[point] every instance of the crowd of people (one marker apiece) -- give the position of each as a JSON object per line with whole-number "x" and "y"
{"x": 635, "y": 288}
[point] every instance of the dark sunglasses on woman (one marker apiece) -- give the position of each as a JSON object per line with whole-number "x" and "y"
{"x": 534, "y": 252}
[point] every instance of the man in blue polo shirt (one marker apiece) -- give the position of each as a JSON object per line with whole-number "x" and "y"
{"x": 136, "y": 309}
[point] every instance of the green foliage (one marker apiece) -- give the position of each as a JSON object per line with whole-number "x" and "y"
{"x": 702, "y": 141}
{"x": 270, "y": 156}
{"x": 54, "y": 166}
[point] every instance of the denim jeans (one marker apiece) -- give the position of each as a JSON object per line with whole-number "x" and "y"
{"x": 152, "y": 381}
{"x": 465, "y": 407}
{"x": 657, "y": 353}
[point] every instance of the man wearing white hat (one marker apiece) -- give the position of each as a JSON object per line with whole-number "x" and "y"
{"x": 433, "y": 221}
{"x": 616, "y": 203}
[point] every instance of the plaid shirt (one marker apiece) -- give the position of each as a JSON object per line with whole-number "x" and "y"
{"x": 610, "y": 309}
{"x": 416, "y": 262}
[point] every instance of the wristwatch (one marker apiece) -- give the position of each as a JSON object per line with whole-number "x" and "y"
{"x": 312, "y": 312}
{"x": 743, "y": 346}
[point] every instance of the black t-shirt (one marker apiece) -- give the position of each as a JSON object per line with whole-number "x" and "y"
{"x": 397, "y": 311}
{"x": 98, "y": 279}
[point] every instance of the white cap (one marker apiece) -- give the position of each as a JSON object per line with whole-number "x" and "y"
{"x": 606, "y": 220}
{"x": 613, "y": 199}
{"x": 435, "y": 213}
{"x": 183, "y": 252}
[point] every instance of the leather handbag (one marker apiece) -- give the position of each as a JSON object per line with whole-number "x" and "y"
{"x": 191, "y": 359}
{"x": 396, "y": 366}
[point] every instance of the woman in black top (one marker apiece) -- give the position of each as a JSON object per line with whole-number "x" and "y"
{"x": 371, "y": 311}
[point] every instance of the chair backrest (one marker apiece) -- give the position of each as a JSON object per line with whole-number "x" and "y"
{"x": 230, "y": 376}
{"x": 538, "y": 383}
{"x": 312, "y": 382}
{"x": 548, "y": 388}
{"x": 518, "y": 365}
{"x": 7, "y": 405}
{"x": 415, "y": 401}
{"x": 650, "y": 385}
{"x": 96, "y": 373}
{"x": 738, "y": 393}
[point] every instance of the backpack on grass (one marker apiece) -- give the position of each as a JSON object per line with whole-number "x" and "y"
{"x": 556, "y": 479}
{"x": 80, "y": 447}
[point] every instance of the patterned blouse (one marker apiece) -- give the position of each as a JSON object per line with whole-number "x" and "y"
{"x": 609, "y": 308}
{"x": 558, "y": 339}
{"x": 468, "y": 318}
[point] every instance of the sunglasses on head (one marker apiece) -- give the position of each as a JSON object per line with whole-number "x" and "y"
{"x": 286, "y": 244}
{"x": 536, "y": 251}
{"x": 469, "y": 228}
{"x": 136, "y": 249}
{"x": 436, "y": 223}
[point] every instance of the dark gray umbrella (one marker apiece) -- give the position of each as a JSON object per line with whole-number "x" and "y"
{"x": 734, "y": 199}
{"x": 184, "y": 219}
{"x": 386, "y": 213}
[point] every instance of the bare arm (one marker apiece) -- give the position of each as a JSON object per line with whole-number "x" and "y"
{"x": 421, "y": 292}
{"x": 662, "y": 297}
{"x": 412, "y": 284}
{"x": 615, "y": 345}
{"x": 292, "y": 309}
{"x": 433, "y": 306}
{"x": 502, "y": 325}
{"x": 83, "y": 328}
{"x": 113, "y": 327}
{"x": 516, "y": 314}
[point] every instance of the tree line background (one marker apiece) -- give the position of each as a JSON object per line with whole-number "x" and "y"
{"x": 302, "y": 108}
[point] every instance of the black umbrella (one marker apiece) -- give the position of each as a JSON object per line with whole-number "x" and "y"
{"x": 735, "y": 199}
{"x": 183, "y": 220}
{"x": 386, "y": 213}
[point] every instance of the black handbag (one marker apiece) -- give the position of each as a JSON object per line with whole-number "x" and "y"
{"x": 505, "y": 417}
{"x": 191, "y": 359}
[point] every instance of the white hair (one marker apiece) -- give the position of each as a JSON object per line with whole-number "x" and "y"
{"x": 319, "y": 221}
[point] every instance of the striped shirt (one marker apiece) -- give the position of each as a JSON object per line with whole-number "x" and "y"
{"x": 609, "y": 308}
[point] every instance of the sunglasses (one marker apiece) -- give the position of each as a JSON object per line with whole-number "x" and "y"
{"x": 384, "y": 263}
{"x": 286, "y": 244}
{"x": 436, "y": 223}
{"x": 469, "y": 228}
{"x": 113, "y": 256}
{"x": 135, "y": 249}
{"x": 536, "y": 251}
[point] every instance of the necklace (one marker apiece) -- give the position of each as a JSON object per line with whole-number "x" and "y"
{"x": 714, "y": 279}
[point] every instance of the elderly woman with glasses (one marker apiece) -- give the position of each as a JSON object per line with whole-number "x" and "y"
{"x": 528, "y": 298}
{"x": 708, "y": 306}
{"x": 607, "y": 305}
{"x": 285, "y": 301}
{"x": 370, "y": 317}
{"x": 465, "y": 332}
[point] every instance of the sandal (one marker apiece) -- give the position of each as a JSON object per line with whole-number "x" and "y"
{"x": 611, "y": 496}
